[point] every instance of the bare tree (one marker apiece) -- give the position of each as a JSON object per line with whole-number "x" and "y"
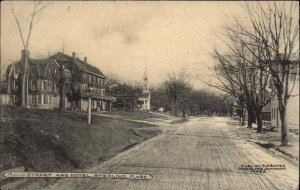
{"x": 176, "y": 87}
{"x": 38, "y": 8}
{"x": 230, "y": 81}
{"x": 111, "y": 81}
{"x": 273, "y": 39}
{"x": 248, "y": 82}
{"x": 204, "y": 102}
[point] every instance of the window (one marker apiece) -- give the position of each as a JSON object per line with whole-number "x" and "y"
{"x": 46, "y": 87}
{"x": 12, "y": 84}
{"x": 45, "y": 99}
{"x": 39, "y": 99}
{"x": 90, "y": 78}
{"x": 102, "y": 92}
{"x": 32, "y": 84}
{"x": 43, "y": 85}
{"x": 84, "y": 77}
{"x": 68, "y": 75}
{"x": 39, "y": 84}
{"x": 33, "y": 99}
{"x": 12, "y": 99}
{"x": 55, "y": 87}
{"x": 50, "y": 85}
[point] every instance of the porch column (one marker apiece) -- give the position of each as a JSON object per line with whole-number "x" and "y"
{"x": 89, "y": 110}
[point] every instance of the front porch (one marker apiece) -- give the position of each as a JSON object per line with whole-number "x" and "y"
{"x": 98, "y": 103}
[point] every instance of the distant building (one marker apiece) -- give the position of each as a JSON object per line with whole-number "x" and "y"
{"x": 125, "y": 103}
{"x": 77, "y": 78}
{"x": 145, "y": 96}
{"x": 293, "y": 103}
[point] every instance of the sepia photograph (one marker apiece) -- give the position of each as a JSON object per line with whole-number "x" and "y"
{"x": 149, "y": 95}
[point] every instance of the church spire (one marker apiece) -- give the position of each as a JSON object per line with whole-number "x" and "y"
{"x": 145, "y": 85}
{"x": 145, "y": 74}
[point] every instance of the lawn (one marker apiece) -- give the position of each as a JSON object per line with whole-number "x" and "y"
{"x": 46, "y": 140}
{"x": 268, "y": 139}
{"x": 138, "y": 115}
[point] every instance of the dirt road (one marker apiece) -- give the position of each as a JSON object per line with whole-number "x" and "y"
{"x": 199, "y": 154}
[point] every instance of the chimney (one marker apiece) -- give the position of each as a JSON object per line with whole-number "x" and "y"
{"x": 74, "y": 55}
{"x": 23, "y": 54}
{"x": 85, "y": 59}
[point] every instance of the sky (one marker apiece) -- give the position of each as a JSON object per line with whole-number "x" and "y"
{"x": 125, "y": 37}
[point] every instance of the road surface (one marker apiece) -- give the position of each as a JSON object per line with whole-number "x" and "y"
{"x": 199, "y": 154}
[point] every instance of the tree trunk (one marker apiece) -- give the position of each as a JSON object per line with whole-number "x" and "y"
{"x": 183, "y": 111}
{"x": 175, "y": 109}
{"x": 61, "y": 100}
{"x": 61, "y": 90}
{"x": 284, "y": 127}
{"x": 251, "y": 116}
{"x": 259, "y": 122}
{"x": 23, "y": 89}
{"x": 24, "y": 95}
{"x": 243, "y": 117}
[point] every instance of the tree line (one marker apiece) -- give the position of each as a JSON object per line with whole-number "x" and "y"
{"x": 176, "y": 95}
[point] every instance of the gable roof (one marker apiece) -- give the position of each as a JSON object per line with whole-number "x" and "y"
{"x": 40, "y": 64}
{"x": 267, "y": 108}
{"x": 88, "y": 68}
{"x": 83, "y": 66}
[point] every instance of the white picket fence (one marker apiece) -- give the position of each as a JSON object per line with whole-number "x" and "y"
{"x": 266, "y": 123}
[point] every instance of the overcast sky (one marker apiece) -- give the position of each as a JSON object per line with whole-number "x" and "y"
{"x": 125, "y": 37}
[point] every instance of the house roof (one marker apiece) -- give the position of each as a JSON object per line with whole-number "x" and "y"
{"x": 88, "y": 68}
{"x": 40, "y": 64}
{"x": 267, "y": 108}
{"x": 81, "y": 64}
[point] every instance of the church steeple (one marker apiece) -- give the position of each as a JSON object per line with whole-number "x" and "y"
{"x": 145, "y": 96}
{"x": 145, "y": 74}
{"x": 145, "y": 82}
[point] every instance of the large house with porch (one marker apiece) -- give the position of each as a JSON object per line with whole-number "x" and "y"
{"x": 58, "y": 75}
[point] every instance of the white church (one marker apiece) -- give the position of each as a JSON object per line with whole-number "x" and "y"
{"x": 145, "y": 96}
